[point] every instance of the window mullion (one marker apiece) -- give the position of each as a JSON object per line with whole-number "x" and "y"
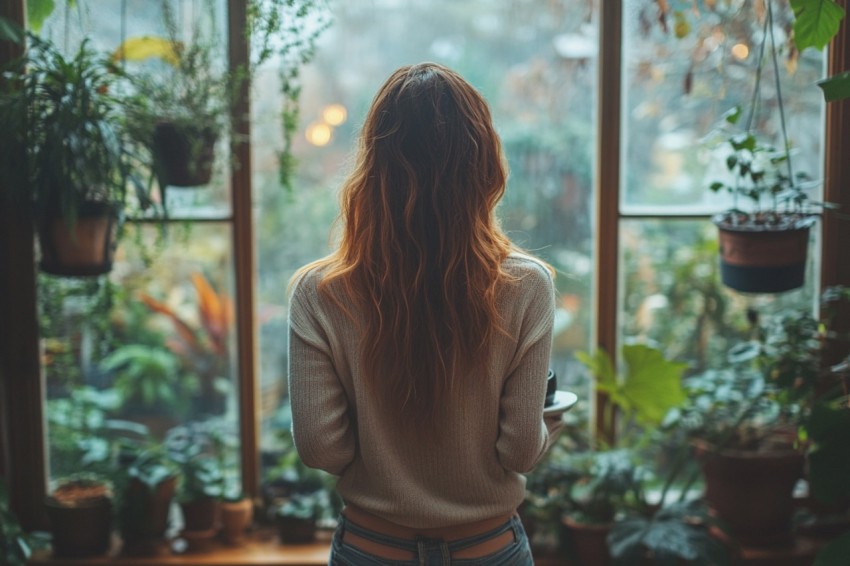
{"x": 607, "y": 186}
{"x": 243, "y": 249}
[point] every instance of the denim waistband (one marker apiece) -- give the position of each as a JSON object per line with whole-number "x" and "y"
{"x": 416, "y": 545}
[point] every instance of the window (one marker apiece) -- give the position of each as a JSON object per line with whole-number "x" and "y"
{"x": 535, "y": 64}
{"x": 680, "y": 75}
{"x": 635, "y": 257}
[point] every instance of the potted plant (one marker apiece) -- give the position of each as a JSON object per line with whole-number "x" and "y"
{"x": 150, "y": 385}
{"x": 677, "y": 533}
{"x": 296, "y": 518}
{"x": 184, "y": 91}
{"x": 181, "y": 99}
{"x": 79, "y": 510}
{"x": 201, "y": 482}
{"x": 764, "y": 248}
{"x": 149, "y": 485}
{"x": 600, "y": 488}
{"x": 62, "y": 155}
{"x": 744, "y": 432}
{"x": 237, "y": 511}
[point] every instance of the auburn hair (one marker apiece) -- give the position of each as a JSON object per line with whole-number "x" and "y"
{"x": 421, "y": 251}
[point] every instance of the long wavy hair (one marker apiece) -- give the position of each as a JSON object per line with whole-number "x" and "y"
{"x": 421, "y": 251}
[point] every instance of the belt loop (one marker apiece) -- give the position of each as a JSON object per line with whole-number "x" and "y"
{"x": 420, "y": 547}
{"x": 447, "y": 556}
{"x": 515, "y": 526}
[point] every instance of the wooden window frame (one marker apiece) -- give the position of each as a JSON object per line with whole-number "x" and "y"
{"x": 22, "y": 449}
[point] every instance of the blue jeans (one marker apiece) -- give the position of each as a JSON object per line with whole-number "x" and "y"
{"x": 431, "y": 552}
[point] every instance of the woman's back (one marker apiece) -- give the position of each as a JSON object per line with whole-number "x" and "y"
{"x": 487, "y": 434}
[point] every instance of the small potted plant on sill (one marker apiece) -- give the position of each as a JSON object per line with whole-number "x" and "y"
{"x": 237, "y": 512}
{"x": 149, "y": 485}
{"x": 79, "y": 510}
{"x": 62, "y": 155}
{"x": 201, "y": 484}
{"x": 297, "y": 517}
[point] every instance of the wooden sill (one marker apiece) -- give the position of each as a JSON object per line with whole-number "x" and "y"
{"x": 259, "y": 549}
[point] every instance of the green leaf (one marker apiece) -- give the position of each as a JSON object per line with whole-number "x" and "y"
{"x": 836, "y": 87}
{"x": 652, "y": 384}
{"x": 817, "y": 22}
{"x": 602, "y": 369}
{"x": 733, "y": 115}
{"x": 835, "y": 553}
{"x": 37, "y": 12}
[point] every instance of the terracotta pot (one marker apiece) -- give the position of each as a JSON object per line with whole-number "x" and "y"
{"x": 590, "y": 542}
{"x": 81, "y": 522}
{"x": 200, "y": 514}
{"x": 752, "y": 492}
{"x": 85, "y": 250}
{"x": 765, "y": 260}
{"x": 183, "y": 155}
{"x": 235, "y": 518}
{"x": 144, "y": 516}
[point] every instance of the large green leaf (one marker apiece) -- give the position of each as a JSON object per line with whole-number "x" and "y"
{"x": 37, "y": 12}
{"x": 817, "y": 22}
{"x": 650, "y": 387}
{"x": 652, "y": 384}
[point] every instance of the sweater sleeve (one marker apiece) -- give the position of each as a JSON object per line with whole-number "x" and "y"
{"x": 321, "y": 426}
{"x": 524, "y": 436}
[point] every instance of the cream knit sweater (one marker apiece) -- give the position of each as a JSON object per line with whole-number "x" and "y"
{"x": 475, "y": 474}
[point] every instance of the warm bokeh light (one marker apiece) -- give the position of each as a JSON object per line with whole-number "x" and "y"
{"x": 335, "y": 114}
{"x": 740, "y": 51}
{"x": 318, "y": 134}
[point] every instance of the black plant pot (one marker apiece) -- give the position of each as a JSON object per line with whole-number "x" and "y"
{"x": 183, "y": 155}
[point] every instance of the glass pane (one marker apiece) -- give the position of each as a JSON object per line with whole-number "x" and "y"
{"x": 672, "y": 295}
{"x": 145, "y": 350}
{"x": 682, "y": 73}
{"x": 534, "y": 61}
{"x": 176, "y": 94}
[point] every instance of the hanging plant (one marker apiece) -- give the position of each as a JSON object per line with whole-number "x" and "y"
{"x": 63, "y": 156}
{"x": 763, "y": 246}
{"x": 184, "y": 93}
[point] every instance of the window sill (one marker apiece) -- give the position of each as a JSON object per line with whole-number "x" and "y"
{"x": 261, "y": 548}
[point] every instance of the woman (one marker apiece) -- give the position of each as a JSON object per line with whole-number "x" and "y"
{"x": 419, "y": 348}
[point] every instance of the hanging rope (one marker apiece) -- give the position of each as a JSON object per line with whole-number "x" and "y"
{"x": 768, "y": 33}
